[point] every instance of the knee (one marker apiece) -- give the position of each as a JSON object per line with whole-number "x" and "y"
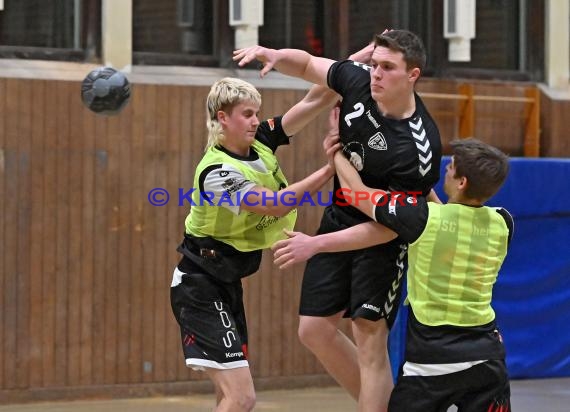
{"x": 372, "y": 341}
{"x": 374, "y": 358}
{"x": 315, "y": 331}
{"x": 248, "y": 401}
{"x": 244, "y": 401}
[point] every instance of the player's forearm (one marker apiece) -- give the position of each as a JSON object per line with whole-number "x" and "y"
{"x": 299, "y": 63}
{"x": 311, "y": 184}
{"x": 350, "y": 179}
{"x": 353, "y": 238}
{"x": 264, "y": 202}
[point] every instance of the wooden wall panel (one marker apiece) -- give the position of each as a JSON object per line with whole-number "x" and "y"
{"x": 76, "y": 235}
{"x": 136, "y": 227}
{"x": 149, "y": 228}
{"x": 3, "y": 244}
{"x": 10, "y": 287}
{"x": 554, "y": 123}
{"x": 123, "y": 231}
{"x": 86, "y": 261}
{"x": 23, "y": 235}
{"x": 174, "y": 219}
{"x": 37, "y": 169}
{"x": 87, "y": 135}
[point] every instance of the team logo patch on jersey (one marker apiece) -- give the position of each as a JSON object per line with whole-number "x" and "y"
{"x": 271, "y": 123}
{"x": 224, "y": 173}
{"x": 377, "y": 142}
{"x": 232, "y": 185}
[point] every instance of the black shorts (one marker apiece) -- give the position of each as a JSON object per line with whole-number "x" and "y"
{"x": 366, "y": 283}
{"x": 212, "y": 320}
{"x": 481, "y": 388}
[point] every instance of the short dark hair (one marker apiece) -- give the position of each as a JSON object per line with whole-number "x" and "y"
{"x": 406, "y": 42}
{"x": 485, "y": 167}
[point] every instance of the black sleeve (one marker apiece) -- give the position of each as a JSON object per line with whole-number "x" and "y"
{"x": 508, "y": 220}
{"x": 405, "y": 215}
{"x": 271, "y": 134}
{"x": 346, "y": 77}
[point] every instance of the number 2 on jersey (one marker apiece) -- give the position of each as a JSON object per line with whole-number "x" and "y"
{"x": 358, "y": 110}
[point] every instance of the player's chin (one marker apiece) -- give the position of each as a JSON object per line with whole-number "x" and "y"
{"x": 378, "y": 94}
{"x": 249, "y": 137}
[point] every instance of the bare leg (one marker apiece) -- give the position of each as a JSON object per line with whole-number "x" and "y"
{"x": 219, "y": 396}
{"x": 234, "y": 389}
{"x": 375, "y": 372}
{"x": 336, "y": 352}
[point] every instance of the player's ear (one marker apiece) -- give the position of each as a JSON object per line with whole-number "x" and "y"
{"x": 221, "y": 116}
{"x": 462, "y": 185}
{"x": 414, "y": 74}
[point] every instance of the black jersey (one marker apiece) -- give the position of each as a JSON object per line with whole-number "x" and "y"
{"x": 389, "y": 154}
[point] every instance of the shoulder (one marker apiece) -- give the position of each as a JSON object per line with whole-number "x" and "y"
{"x": 216, "y": 174}
{"x": 427, "y": 119}
{"x": 509, "y": 221}
{"x": 346, "y": 73}
{"x": 271, "y": 134}
{"x": 405, "y": 215}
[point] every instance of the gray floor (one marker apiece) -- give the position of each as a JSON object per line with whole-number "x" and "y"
{"x": 544, "y": 395}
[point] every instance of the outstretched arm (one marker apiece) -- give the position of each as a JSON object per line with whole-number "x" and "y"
{"x": 318, "y": 99}
{"x": 295, "y": 62}
{"x": 292, "y": 62}
{"x": 300, "y": 247}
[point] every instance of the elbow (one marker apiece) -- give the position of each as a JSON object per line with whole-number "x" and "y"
{"x": 280, "y": 211}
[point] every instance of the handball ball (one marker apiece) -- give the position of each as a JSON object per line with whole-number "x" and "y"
{"x": 105, "y": 91}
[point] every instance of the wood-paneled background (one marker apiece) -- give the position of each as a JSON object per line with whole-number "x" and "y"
{"x": 86, "y": 260}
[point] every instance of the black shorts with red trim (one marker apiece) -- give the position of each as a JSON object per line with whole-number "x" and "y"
{"x": 212, "y": 320}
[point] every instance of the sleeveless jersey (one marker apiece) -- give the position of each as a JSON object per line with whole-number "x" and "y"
{"x": 456, "y": 262}
{"x": 455, "y": 253}
{"x": 220, "y": 218}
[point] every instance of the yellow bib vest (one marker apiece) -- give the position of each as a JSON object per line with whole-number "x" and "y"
{"x": 246, "y": 231}
{"x": 456, "y": 265}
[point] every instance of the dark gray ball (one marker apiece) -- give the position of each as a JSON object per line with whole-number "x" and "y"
{"x": 105, "y": 90}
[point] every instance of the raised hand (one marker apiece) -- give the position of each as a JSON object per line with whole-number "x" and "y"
{"x": 363, "y": 55}
{"x": 266, "y": 56}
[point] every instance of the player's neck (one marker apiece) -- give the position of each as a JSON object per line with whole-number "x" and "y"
{"x": 238, "y": 149}
{"x": 401, "y": 109}
{"x": 462, "y": 200}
